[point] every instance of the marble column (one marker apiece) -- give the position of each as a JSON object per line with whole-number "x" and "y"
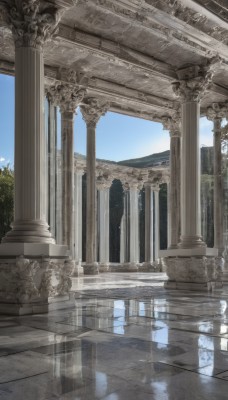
{"x": 67, "y": 96}
{"x": 103, "y": 187}
{"x": 77, "y": 219}
{"x": 52, "y": 168}
{"x": 156, "y": 190}
{"x": 125, "y": 227}
{"x": 131, "y": 225}
{"x": 92, "y": 110}
{"x": 192, "y": 265}
{"x": 149, "y": 226}
{"x": 33, "y": 274}
{"x": 174, "y": 126}
{"x": 216, "y": 113}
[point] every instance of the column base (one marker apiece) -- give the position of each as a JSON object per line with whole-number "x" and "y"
{"x": 35, "y": 282}
{"x": 103, "y": 267}
{"x": 30, "y": 231}
{"x": 91, "y": 269}
{"x": 78, "y": 269}
{"x": 191, "y": 273}
{"x": 129, "y": 267}
{"x": 150, "y": 267}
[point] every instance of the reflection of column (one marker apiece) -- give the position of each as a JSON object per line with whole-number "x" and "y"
{"x": 173, "y": 125}
{"x": 149, "y": 224}
{"x": 77, "y": 220}
{"x": 156, "y": 190}
{"x": 103, "y": 186}
{"x": 92, "y": 110}
{"x": 195, "y": 266}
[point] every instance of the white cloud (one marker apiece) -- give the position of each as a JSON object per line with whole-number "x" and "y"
{"x": 2, "y": 159}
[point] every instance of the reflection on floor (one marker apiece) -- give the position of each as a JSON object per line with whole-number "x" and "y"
{"x": 135, "y": 342}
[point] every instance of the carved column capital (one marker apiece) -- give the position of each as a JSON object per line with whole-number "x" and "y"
{"x": 33, "y": 22}
{"x": 217, "y": 111}
{"x": 172, "y": 124}
{"x": 194, "y": 80}
{"x": 66, "y": 94}
{"x": 92, "y": 109}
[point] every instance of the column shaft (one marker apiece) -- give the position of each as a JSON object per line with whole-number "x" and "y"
{"x": 30, "y": 183}
{"x": 190, "y": 177}
{"x": 157, "y": 225}
{"x": 77, "y": 255}
{"x": 218, "y": 188}
{"x": 91, "y": 203}
{"x": 67, "y": 136}
{"x": 149, "y": 224}
{"x": 52, "y": 173}
{"x": 174, "y": 192}
{"x": 104, "y": 226}
{"x": 134, "y": 226}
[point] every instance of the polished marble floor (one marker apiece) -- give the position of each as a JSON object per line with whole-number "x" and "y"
{"x": 126, "y": 339}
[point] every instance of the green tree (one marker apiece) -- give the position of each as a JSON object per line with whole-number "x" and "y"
{"x": 6, "y": 199}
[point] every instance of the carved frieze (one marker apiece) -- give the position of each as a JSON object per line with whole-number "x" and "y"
{"x": 92, "y": 109}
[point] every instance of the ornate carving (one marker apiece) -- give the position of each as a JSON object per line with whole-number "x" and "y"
{"x": 191, "y": 269}
{"x": 34, "y": 280}
{"x": 194, "y": 80}
{"x": 92, "y": 109}
{"x": 217, "y": 111}
{"x": 173, "y": 124}
{"x": 67, "y": 94}
{"x": 33, "y": 22}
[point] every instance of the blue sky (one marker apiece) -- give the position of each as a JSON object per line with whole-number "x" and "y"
{"x": 118, "y": 137}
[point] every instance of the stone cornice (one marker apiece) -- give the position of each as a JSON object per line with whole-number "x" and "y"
{"x": 154, "y": 18}
{"x": 194, "y": 80}
{"x": 92, "y": 109}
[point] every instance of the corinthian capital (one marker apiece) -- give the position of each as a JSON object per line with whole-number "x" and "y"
{"x": 173, "y": 124}
{"x": 92, "y": 109}
{"x": 68, "y": 94}
{"x": 217, "y": 111}
{"x": 194, "y": 80}
{"x": 32, "y": 22}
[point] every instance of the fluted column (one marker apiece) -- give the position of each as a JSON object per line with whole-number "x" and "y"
{"x": 149, "y": 224}
{"x": 30, "y": 274}
{"x": 156, "y": 190}
{"x": 77, "y": 218}
{"x": 215, "y": 113}
{"x": 67, "y": 96}
{"x": 92, "y": 110}
{"x": 174, "y": 127}
{"x": 134, "y": 224}
{"x": 192, "y": 265}
{"x": 189, "y": 89}
{"x": 52, "y": 167}
{"x": 103, "y": 187}
{"x": 125, "y": 227}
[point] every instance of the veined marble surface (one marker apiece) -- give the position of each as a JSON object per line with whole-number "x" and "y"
{"x": 126, "y": 338}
